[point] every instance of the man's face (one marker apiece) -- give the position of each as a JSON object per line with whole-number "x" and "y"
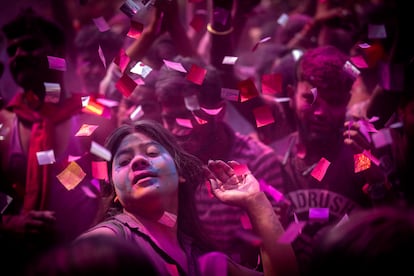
{"x": 143, "y": 98}
{"x": 28, "y": 60}
{"x": 192, "y": 129}
{"x": 320, "y": 114}
{"x": 91, "y": 71}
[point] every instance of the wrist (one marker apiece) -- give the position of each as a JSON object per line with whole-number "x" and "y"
{"x": 256, "y": 202}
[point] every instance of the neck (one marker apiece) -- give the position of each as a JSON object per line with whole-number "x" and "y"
{"x": 313, "y": 150}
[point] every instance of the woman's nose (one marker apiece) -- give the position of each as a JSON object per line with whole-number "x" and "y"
{"x": 139, "y": 162}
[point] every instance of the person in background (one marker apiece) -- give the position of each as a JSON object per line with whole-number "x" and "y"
{"x": 91, "y": 68}
{"x": 373, "y": 241}
{"x": 153, "y": 184}
{"x": 194, "y": 113}
{"x": 141, "y": 104}
{"x": 326, "y": 172}
{"x": 39, "y": 147}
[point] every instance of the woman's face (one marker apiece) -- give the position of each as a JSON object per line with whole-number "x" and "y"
{"x": 145, "y": 176}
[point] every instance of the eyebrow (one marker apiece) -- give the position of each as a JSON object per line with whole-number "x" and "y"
{"x": 140, "y": 145}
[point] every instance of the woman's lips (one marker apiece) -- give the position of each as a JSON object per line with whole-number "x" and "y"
{"x": 144, "y": 179}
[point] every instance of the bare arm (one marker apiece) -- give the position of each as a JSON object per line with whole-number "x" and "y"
{"x": 244, "y": 191}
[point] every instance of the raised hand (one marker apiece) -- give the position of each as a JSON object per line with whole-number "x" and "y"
{"x": 229, "y": 187}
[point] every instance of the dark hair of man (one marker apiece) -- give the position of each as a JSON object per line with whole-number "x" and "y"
{"x": 324, "y": 68}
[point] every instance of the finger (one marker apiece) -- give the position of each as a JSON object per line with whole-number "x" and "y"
{"x": 214, "y": 184}
{"x": 355, "y": 147}
{"x": 220, "y": 169}
{"x": 356, "y": 138}
{"x": 43, "y": 215}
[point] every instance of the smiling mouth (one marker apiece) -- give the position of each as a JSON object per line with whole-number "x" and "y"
{"x": 144, "y": 180}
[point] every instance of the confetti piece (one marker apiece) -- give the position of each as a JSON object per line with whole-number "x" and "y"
{"x": 361, "y": 162}
{"x": 86, "y": 130}
{"x": 320, "y": 169}
{"x": 141, "y": 69}
{"x": 296, "y": 53}
{"x": 101, "y": 56}
{"x": 88, "y": 192}
{"x": 135, "y": 29}
{"x": 371, "y": 157}
{"x": 212, "y": 112}
{"x": 359, "y": 62}
{"x": 122, "y": 60}
{"x": 199, "y": 120}
{"x": 271, "y": 191}
{"x": 45, "y": 157}
{"x": 229, "y": 60}
{"x": 71, "y": 176}
{"x": 230, "y": 94}
{"x": 184, "y": 122}
{"x": 247, "y": 90}
{"x": 263, "y": 116}
{"x": 319, "y": 214}
{"x": 196, "y": 74}
{"x": 351, "y": 69}
{"x": 53, "y": 91}
{"x": 168, "y": 219}
{"x": 100, "y": 151}
{"x": 291, "y": 233}
{"x": 137, "y": 113}
{"x": 241, "y": 169}
{"x": 130, "y": 8}
{"x": 272, "y": 84}
{"x": 94, "y": 108}
{"x": 382, "y": 138}
{"x": 175, "y": 66}
{"x": 191, "y": 103}
{"x": 314, "y": 92}
{"x": 57, "y": 63}
{"x": 126, "y": 85}
{"x": 344, "y": 219}
{"x": 5, "y": 201}
{"x": 245, "y": 222}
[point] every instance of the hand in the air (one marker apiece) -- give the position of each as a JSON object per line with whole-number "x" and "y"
{"x": 227, "y": 186}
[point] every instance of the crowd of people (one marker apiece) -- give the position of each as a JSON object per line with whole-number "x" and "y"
{"x": 173, "y": 137}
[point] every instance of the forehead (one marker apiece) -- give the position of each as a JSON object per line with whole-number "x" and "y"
{"x": 134, "y": 139}
{"x": 331, "y": 96}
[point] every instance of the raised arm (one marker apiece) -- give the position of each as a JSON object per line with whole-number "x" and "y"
{"x": 244, "y": 191}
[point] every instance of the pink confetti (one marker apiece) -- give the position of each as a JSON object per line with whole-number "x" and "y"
{"x": 196, "y": 74}
{"x": 263, "y": 116}
{"x": 320, "y": 169}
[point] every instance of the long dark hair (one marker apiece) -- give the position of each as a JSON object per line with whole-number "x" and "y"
{"x": 188, "y": 166}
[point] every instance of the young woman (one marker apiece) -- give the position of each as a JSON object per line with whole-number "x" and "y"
{"x": 154, "y": 182}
